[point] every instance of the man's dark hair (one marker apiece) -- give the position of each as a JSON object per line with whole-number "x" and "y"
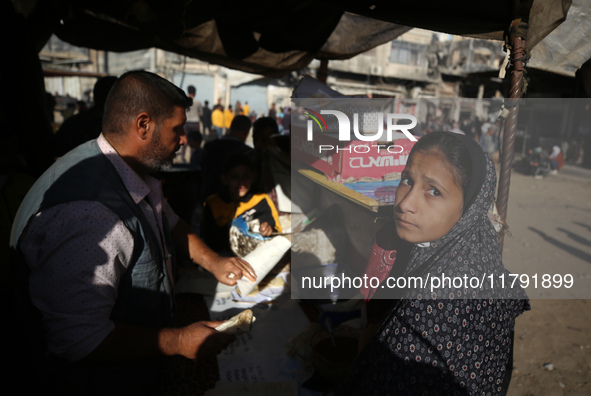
{"x": 240, "y": 123}
{"x": 265, "y": 122}
{"x": 192, "y": 90}
{"x": 263, "y": 128}
{"x": 234, "y": 159}
{"x": 138, "y": 91}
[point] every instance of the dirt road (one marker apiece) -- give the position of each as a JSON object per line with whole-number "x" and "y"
{"x": 550, "y": 223}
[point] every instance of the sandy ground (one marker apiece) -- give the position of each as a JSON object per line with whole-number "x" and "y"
{"x": 550, "y": 223}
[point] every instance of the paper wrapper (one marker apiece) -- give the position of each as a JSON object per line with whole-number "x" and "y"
{"x": 262, "y": 260}
{"x": 238, "y": 324}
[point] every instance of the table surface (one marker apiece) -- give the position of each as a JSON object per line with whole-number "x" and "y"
{"x": 259, "y": 356}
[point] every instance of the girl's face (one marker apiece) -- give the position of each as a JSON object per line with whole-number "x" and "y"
{"x": 238, "y": 179}
{"x": 428, "y": 201}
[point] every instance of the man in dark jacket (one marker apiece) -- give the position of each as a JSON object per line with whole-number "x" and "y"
{"x": 95, "y": 245}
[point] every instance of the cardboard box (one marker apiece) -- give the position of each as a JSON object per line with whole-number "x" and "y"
{"x": 347, "y": 162}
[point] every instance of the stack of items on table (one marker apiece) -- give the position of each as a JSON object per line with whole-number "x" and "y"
{"x": 371, "y": 168}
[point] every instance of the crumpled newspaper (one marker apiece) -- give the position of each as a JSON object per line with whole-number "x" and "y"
{"x": 245, "y": 236}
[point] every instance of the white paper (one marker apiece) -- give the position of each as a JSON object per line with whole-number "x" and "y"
{"x": 220, "y": 304}
{"x": 262, "y": 260}
{"x": 267, "y": 294}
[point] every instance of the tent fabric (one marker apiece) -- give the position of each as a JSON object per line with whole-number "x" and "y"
{"x": 559, "y": 52}
{"x": 273, "y": 38}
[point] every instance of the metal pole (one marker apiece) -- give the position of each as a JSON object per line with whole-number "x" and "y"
{"x": 322, "y": 72}
{"x": 518, "y": 54}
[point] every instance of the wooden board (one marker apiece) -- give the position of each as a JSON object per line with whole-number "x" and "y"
{"x": 343, "y": 191}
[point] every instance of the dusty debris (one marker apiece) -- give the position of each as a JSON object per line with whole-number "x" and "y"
{"x": 548, "y": 366}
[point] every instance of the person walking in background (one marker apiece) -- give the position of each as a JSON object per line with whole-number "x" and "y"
{"x": 195, "y": 112}
{"x": 488, "y": 142}
{"x": 238, "y": 110}
{"x": 273, "y": 112}
{"x": 246, "y": 109}
{"x": 286, "y": 121}
{"x": 206, "y": 120}
{"x": 193, "y": 124}
{"x": 280, "y": 120}
{"x": 228, "y": 117}
{"x": 217, "y": 120}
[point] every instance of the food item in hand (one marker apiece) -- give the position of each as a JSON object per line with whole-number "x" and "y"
{"x": 238, "y": 324}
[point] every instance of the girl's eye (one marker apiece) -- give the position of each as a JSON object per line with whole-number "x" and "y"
{"x": 405, "y": 181}
{"x": 434, "y": 192}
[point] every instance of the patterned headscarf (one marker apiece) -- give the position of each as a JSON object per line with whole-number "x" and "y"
{"x": 449, "y": 340}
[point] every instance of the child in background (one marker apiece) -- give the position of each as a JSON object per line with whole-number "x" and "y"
{"x": 236, "y": 199}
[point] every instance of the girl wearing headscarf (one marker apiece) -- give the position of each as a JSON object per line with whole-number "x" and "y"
{"x": 447, "y": 340}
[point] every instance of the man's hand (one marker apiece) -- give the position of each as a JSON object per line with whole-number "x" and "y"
{"x": 228, "y": 270}
{"x": 201, "y": 340}
{"x": 128, "y": 342}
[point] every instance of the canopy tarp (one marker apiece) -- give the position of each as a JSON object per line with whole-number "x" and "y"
{"x": 565, "y": 49}
{"x": 273, "y": 38}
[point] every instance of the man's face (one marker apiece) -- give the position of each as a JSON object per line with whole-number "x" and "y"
{"x": 165, "y": 141}
{"x": 428, "y": 200}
